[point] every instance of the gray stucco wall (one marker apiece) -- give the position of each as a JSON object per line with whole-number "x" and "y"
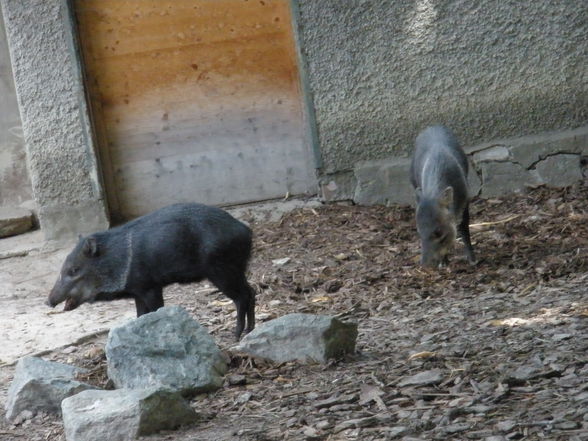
{"x": 15, "y": 185}
{"x": 380, "y": 71}
{"x": 58, "y": 138}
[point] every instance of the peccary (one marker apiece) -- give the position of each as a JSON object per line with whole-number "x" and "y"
{"x": 438, "y": 172}
{"x": 181, "y": 243}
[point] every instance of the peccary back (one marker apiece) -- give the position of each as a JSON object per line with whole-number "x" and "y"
{"x": 181, "y": 243}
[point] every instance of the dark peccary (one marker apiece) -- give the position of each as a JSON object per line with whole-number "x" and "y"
{"x": 181, "y": 243}
{"x": 438, "y": 172}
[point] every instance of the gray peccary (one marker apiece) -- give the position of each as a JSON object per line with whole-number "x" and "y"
{"x": 181, "y": 243}
{"x": 438, "y": 172}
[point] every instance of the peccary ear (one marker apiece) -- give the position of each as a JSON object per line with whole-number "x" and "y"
{"x": 446, "y": 199}
{"x": 418, "y": 194}
{"x": 90, "y": 247}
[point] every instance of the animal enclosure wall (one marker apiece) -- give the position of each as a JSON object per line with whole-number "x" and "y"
{"x": 381, "y": 71}
{"x": 194, "y": 100}
{"x": 15, "y": 185}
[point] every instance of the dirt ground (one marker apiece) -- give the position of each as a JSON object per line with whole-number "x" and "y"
{"x": 502, "y": 346}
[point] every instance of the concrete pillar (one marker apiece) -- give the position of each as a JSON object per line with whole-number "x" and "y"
{"x": 61, "y": 152}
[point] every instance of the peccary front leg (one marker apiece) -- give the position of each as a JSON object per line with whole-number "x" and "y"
{"x": 149, "y": 300}
{"x": 464, "y": 231}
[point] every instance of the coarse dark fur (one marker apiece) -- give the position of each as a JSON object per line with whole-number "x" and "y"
{"x": 438, "y": 172}
{"x": 181, "y": 243}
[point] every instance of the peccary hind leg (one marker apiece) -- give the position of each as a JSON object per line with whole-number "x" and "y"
{"x": 240, "y": 292}
{"x": 464, "y": 231}
{"x": 149, "y": 301}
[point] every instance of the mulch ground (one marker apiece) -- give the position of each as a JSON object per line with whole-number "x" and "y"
{"x": 495, "y": 351}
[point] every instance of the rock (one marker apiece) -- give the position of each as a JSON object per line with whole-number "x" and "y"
{"x": 499, "y": 178}
{"x": 310, "y": 433}
{"x": 397, "y": 431}
{"x": 123, "y": 414}
{"x": 302, "y": 337}
{"x": 567, "y": 425}
{"x": 323, "y": 424}
{"x": 524, "y": 373}
{"x": 41, "y": 385}
{"x": 243, "y": 398}
{"x": 456, "y": 428}
{"x": 236, "y": 380}
{"x": 25, "y": 415}
{"x": 370, "y": 421}
{"x": 506, "y": 426}
{"x": 425, "y": 378}
{"x": 493, "y": 153}
{"x": 560, "y": 170}
{"x": 530, "y": 149}
{"x": 15, "y": 221}
{"x": 165, "y": 348}
{"x": 383, "y": 182}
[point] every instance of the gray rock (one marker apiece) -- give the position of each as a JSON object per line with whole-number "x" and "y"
{"x": 302, "y": 337}
{"x": 457, "y": 428}
{"x": 530, "y": 149}
{"x": 41, "y": 385}
{"x": 506, "y": 426}
{"x": 397, "y": 431}
{"x": 560, "y": 170}
{"x": 15, "y": 221}
{"x": 567, "y": 425}
{"x": 425, "y": 378}
{"x": 166, "y": 348}
{"x": 383, "y": 182}
{"x": 499, "y": 178}
{"x": 123, "y": 414}
{"x": 525, "y": 373}
{"x": 493, "y": 153}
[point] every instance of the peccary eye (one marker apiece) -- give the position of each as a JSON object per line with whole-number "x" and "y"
{"x": 72, "y": 271}
{"x": 437, "y": 234}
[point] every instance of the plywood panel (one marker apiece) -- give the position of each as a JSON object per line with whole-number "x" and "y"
{"x": 197, "y": 100}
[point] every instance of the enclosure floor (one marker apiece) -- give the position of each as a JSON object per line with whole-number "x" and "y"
{"x": 509, "y": 335}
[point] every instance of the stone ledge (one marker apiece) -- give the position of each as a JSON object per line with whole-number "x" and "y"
{"x": 15, "y": 221}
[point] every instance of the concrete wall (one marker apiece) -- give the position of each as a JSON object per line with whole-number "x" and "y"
{"x": 56, "y": 127}
{"x": 555, "y": 159}
{"x": 380, "y": 71}
{"x": 15, "y": 185}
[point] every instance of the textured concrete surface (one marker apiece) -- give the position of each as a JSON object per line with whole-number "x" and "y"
{"x": 60, "y": 152}
{"x": 338, "y": 186}
{"x": 381, "y": 71}
{"x": 15, "y": 185}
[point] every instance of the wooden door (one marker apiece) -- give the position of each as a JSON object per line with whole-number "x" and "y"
{"x": 195, "y": 100}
